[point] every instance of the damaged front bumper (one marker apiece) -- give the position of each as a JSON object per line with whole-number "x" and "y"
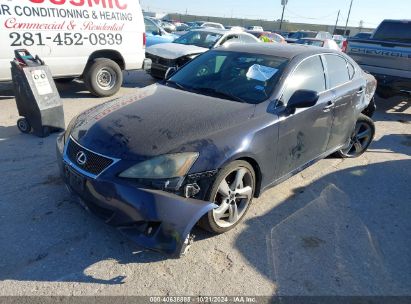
{"x": 154, "y": 219}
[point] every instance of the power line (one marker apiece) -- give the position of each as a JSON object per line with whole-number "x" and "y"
{"x": 311, "y": 18}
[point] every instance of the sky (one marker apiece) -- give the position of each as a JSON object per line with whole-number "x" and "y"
{"x": 371, "y": 12}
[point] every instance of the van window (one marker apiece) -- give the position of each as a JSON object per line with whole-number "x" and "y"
{"x": 337, "y": 70}
{"x": 399, "y": 31}
{"x": 309, "y": 75}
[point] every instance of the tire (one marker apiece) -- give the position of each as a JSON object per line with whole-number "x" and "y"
{"x": 23, "y": 125}
{"x": 360, "y": 139}
{"x": 215, "y": 220}
{"x": 370, "y": 110}
{"x": 384, "y": 92}
{"x": 103, "y": 77}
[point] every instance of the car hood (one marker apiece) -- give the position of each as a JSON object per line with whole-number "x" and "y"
{"x": 156, "y": 120}
{"x": 174, "y": 50}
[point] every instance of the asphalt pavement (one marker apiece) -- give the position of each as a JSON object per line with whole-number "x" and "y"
{"x": 340, "y": 227}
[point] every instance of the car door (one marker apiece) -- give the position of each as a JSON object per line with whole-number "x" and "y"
{"x": 304, "y": 135}
{"x": 347, "y": 92}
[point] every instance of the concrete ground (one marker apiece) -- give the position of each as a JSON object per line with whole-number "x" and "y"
{"x": 341, "y": 227}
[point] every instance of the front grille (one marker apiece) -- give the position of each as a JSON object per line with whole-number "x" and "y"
{"x": 159, "y": 60}
{"x": 95, "y": 163}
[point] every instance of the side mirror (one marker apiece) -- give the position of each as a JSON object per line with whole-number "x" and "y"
{"x": 170, "y": 72}
{"x": 157, "y": 33}
{"x": 302, "y": 99}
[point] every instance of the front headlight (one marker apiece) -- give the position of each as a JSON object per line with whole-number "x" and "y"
{"x": 162, "y": 167}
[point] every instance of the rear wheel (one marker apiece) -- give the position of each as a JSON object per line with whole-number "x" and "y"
{"x": 232, "y": 191}
{"x": 360, "y": 139}
{"x": 103, "y": 77}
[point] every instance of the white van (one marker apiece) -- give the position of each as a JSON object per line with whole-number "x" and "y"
{"x": 91, "y": 39}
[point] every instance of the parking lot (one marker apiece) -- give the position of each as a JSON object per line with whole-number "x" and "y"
{"x": 348, "y": 218}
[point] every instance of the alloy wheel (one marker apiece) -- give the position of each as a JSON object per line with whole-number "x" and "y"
{"x": 234, "y": 194}
{"x": 360, "y": 140}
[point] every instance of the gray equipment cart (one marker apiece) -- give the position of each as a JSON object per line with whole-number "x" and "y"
{"x": 37, "y": 98}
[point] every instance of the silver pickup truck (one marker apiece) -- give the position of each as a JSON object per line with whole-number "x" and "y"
{"x": 387, "y": 56}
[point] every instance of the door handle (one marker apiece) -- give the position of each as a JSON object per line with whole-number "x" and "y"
{"x": 329, "y": 106}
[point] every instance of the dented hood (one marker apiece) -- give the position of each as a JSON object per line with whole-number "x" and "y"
{"x": 156, "y": 120}
{"x": 174, "y": 50}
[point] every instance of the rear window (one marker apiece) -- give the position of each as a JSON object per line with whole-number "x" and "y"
{"x": 399, "y": 31}
{"x": 337, "y": 70}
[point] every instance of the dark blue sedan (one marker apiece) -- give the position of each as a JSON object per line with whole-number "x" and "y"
{"x": 197, "y": 148}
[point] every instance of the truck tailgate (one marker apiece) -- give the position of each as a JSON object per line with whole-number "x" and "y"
{"x": 392, "y": 58}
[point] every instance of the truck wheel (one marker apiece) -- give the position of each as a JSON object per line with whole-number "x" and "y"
{"x": 23, "y": 125}
{"x": 360, "y": 139}
{"x": 103, "y": 77}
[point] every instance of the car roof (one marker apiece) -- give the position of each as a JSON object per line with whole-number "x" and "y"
{"x": 314, "y": 39}
{"x": 288, "y": 51}
{"x": 211, "y": 30}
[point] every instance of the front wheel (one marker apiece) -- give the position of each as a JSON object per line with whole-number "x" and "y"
{"x": 103, "y": 78}
{"x": 360, "y": 139}
{"x": 232, "y": 191}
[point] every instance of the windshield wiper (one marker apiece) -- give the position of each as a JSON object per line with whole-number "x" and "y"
{"x": 177, "y": 84}
{"x": 216, "y": 93}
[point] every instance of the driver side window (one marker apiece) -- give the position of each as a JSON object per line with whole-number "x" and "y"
{"x": 309, "y": 75}
{"x": 231, "y": 38}
{"x": 150, "y": 26}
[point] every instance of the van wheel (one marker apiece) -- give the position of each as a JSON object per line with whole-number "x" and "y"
{"x": 103, "y": 77}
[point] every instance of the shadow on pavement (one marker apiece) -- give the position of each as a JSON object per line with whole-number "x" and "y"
{"x": 395, "y": 105}
{"x": 347, "y": 233}
{"x": 45, "y": 234}
{"x": 77, "y": 88}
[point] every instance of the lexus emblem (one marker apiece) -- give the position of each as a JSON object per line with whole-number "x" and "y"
{"x": 81, "y": 158}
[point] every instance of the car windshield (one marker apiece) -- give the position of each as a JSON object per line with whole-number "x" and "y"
{"x": 310, "y": 42}
{"x": 241, "y": 77}
{"x": 199, "y": 38}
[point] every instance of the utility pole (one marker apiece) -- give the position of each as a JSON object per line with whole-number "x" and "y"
{"x": 348, "y": 18}
{"x": 283, "y": 3}
{"x": 336, "y": 22}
